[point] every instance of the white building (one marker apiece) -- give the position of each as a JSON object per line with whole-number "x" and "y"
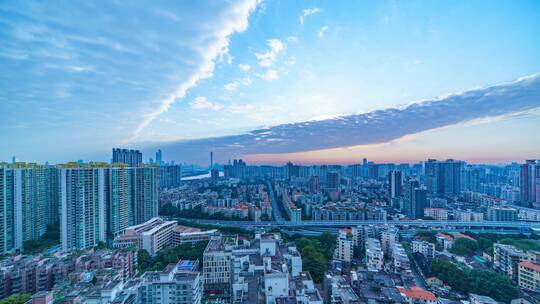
{"x": 400, "y": 258}
{"x": 344, "y": 249}
{"x": 374, "y": 255}
{"x": 468, "y": 216}
{"x": 177, "y": 284}
{"x": 440, "y": 214}
{"x": 389, "y": 237}
{"x": 156, "y": 234}
{"x": 427, "y": 249}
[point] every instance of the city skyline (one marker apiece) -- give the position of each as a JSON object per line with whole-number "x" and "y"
{"x": 253, "y": 65}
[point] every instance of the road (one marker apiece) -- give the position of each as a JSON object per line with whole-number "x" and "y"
{"x": 276, "y": 211}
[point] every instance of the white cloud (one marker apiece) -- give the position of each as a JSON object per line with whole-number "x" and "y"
{"x": 244, "y": 67}
{"x": 269, "y": 75}
{"x": 322, "y": 31}
{"x": 233, "y": 86}
{"x": 376, "y": 127}
{"x": 201, "y": 102}
{"x": 308, "y": 12}
{"x": 267, "y": 59}
{"x": 235, "y": 21}
{"x": 292, "y": 39}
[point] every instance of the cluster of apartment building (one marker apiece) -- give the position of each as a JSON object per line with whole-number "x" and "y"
{"x": 263, "y": 270}
{"x": 91, "y": 202}
{"x": 522, "y": 267}
{"x": 40, "y": 273}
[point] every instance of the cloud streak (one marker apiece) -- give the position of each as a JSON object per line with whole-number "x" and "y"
{"x": 237, "y": 22}
{"x": 374, "y": 127}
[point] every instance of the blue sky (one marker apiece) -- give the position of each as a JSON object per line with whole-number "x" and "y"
{"x": 77, "y": 78}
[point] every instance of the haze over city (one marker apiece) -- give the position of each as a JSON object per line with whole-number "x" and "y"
{"x": 271, "y": 81}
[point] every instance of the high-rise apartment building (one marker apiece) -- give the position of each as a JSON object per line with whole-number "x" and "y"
{"x": 118, "y": 197}
{"x": 159, "y": 157}
{"x": 82, "y": 207}
{"x": 133, "y": 158}
{"x": 169, "y": 176}
{"x": 144, "y": 201}
{"x": 332, "y": 180}
{"x": 419, "y": 202}
{"x": 235, "y": 170}
{"x": 99, "y": 201}
{"x": 28, "y": 203}
{"x": 443, "y": 177}
{"x": 314, "y": 185}
{"x": 530, "y": 183}
{"x": 395, "y": 184}
{"x": 7, "y": 208}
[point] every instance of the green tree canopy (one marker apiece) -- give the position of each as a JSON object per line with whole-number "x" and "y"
{"x": 464, "y": 247}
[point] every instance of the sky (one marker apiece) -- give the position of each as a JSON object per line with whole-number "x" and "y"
{"x": 271, "y": 81}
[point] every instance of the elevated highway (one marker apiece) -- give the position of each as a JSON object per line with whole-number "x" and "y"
{"x": 414, "y": 224}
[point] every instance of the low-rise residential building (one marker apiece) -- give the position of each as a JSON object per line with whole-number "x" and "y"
{"x": 506, "y": 259}
{"x": 178, "y": 284}
{"x": 529, "y": 276}
{"x": 501, "y": 214}
{"x": 427, "y": 249}
{"x": 374, "y": 255}
{"x": 402, "y": 264}
{"x": 468, "y": 216}
{"x": 440, "y": 214}
{"x": 479, "y": 299}
{"x": 417, "y": 295}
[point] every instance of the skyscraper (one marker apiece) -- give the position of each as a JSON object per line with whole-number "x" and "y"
{"x": 529, "y": 183}
{"x": 419, "y": 202}
{"x": 117, "y": 188}
{"x": 395, "y": 183}
{"x": 292, "y": 170}
{"x": 98, "y": 201}
{"x": 169, "y": 176}
{"x": 133, "y": 158}
{"x": 7, "y": 205}
{"x": 332, "y": 180}
{"x": 28, "y": 203}
{"x": 144, "y": 203}
{"x": 159, "y": 157}
{"x": 470, "y": 178}
{"x": 82, "y": 207}
{"x": 314, "y": 185}
{"x": 443, "y": 177}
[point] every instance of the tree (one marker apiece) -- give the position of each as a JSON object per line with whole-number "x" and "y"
{"x": 427, "y": 235}
{"x": 143, "y": 259}
{"x": 464, "y": 247}
{"x": 19, "y": 298}
{"x": 314, "y": 262}
{"x": 168, "y": 210}
{"x": 328, "y": 244}
{"x": 479, "y": 281}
